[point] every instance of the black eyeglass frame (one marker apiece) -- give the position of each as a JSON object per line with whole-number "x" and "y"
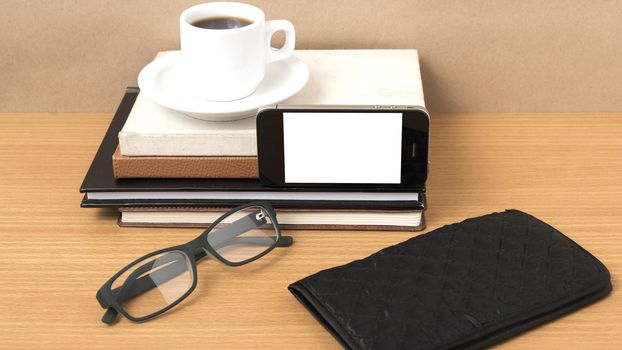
{"x": 195, "y": 250}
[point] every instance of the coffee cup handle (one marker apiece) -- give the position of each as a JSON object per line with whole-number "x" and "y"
{"x": 290, "y": 39}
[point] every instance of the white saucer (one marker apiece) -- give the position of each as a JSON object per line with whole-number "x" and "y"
{"x": 162, "y": 83}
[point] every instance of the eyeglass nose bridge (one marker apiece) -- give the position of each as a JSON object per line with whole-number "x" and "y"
{"x": 199, "y": 248}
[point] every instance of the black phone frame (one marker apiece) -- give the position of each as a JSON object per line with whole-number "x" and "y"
{"x": 414, "y": 169}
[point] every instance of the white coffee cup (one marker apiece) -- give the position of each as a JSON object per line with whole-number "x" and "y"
{"x": 229, "y": 64}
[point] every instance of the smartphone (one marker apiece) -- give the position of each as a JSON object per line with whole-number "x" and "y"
{"x": 358, "y": 147}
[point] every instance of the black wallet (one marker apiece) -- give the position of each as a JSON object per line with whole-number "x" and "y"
{"x": 462, "y": 286}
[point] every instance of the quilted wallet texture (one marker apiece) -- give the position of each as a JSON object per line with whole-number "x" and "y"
{"x": 462, "y": 286}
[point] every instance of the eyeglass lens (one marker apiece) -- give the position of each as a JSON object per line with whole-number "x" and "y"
{"x": 243, "y": 235}
{"x": 153, "y": 283}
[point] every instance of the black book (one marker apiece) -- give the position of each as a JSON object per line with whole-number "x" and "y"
{"x": 103, "y": 190}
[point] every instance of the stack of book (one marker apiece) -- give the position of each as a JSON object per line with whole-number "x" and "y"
{"x": 160, "y": 167}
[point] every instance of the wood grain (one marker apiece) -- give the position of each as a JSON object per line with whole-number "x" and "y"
{"x": 564, "y": 168}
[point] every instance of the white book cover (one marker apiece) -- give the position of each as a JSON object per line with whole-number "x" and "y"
{"x": 152, "y": 130}
{"x": 336, "y": 77}
{"x": 359, "y": 219}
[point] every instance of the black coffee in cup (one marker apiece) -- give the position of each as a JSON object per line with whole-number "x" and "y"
{"x": 225, "y": 49}
{"x": 227, "y": 22}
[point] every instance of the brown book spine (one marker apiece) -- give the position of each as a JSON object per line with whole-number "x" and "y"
{"x": 230, "y": 167}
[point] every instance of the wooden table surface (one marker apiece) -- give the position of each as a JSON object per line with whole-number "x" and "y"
{"x": 563, "y": 168}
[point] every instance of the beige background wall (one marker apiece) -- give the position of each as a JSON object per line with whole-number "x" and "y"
{"x": 477, "y": 56}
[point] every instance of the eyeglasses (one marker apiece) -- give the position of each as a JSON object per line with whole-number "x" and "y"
{"x": 160, "y": 280}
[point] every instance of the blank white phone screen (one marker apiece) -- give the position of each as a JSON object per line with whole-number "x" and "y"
{"x": 342, "y": 148}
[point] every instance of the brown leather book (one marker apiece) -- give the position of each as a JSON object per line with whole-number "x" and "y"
{"x": 230, "y": 167}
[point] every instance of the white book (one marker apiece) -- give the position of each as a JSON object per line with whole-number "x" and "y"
{"x": 152, "y": 130}
{"x": 332, "y": 219}
{"x": 336, "y": 77}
